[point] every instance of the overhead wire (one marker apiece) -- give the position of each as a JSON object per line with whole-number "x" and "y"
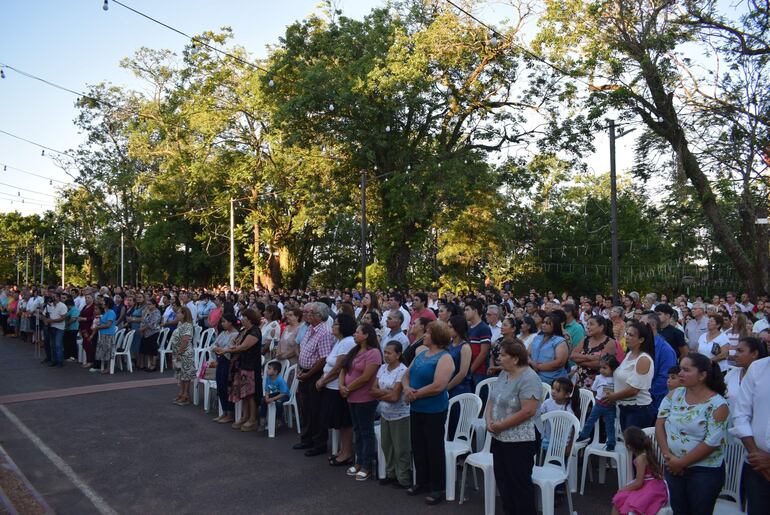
{"x": 14, "y": 168}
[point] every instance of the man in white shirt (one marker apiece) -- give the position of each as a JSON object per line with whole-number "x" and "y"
{"x": 731, "y": 303}
{"x": 745, "y": 304}
{"x": 184, "y": 299}
{"x": 493, "y": 320}
{"x": 394, "y": 302}
{"x": 394, "y": 320}
{"x": 55, "y": 313}
{"x": 764, "y": 323}
{"x": 78, "y": 298}
{"x": 751, "y": 423}
{"x": 697, "y": 326}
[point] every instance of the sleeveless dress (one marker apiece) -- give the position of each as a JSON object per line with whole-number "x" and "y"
{"x": 421, "y": 373}
{"x": 646, "y": 501}
{"x": 463, "y": 386}
{"x": 587, "y": 375}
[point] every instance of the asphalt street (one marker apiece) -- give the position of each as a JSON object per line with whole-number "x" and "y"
{"x": 130, "y": 450}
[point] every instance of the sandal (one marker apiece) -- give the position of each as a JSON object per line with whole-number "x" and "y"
{"x": 352, "y": 471}
{"x": 237, "y": 425}
{"x": 103, "y": 372}
{"x": 226, "y": 420}
{"x": 245, "y": 428}
{"x": 334, "y": 462}
{"x": 363, "y": 476}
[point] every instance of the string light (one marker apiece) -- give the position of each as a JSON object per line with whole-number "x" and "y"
{"x": 331, "y": 107}
{"x": 271, "y": 83}
{"x": 106, "y": 5}
{"x": 2, "y": 73}
{"x": 387, "y": 128}
{"x": 42, "y": 153}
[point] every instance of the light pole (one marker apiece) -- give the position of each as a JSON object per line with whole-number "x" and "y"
{"x": 232, "y": 244}
{"x": 62, "y": 265}
{"x": 614, "y": 212}
{"x": 363, "y": 232}
{"x": 122, "y": 244}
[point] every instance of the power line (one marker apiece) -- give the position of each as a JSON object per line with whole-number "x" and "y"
{"x": 195, "y": 41}
{"x": 26, "y": 200}
{"x": 6, "y": 165}
{"x": 520, "y": 47}
{"x": 25, "y": 189}
{"x": 40, "y": 145}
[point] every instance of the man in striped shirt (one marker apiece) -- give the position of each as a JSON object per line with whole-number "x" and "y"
{"x": 480, "y": 339}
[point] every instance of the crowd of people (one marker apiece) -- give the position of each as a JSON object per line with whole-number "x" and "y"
{"x": 693, "y": 369}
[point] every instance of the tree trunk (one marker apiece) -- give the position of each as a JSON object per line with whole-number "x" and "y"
{"x": 398, "y": 260}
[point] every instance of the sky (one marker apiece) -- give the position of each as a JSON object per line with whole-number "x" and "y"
{"x": 75, "y": 43}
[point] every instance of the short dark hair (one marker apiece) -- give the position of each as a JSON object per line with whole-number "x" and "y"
{"x": 422, "y": 296}
{"x": 275, "y": 365}
{"x": 665, "y": 308}
{"x": 672, "y": 371}
{"x": 475, "y": 305}
{"x": 347, "y": 324}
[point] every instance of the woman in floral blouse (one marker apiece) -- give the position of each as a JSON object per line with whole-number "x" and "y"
{"x": 691, "y": 430}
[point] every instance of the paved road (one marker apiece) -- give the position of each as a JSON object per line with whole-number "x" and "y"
{"x": 131, "y": 451}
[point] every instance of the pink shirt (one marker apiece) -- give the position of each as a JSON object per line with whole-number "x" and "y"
{"x": 363, "y": 394}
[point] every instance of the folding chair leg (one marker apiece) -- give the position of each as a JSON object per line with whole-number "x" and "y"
{"x": 462, "y": 483}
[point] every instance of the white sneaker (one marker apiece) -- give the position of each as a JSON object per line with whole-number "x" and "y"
{"x": 94, "y": 370}
{"x": 352, "y": 471}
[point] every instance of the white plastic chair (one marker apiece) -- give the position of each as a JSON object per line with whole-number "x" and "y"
{"x": 586, "y": 402}
{"x": 81, "y": 352}
{"x": 202, "y": 343}
{"x": 164, "y": 347}
{"x": 729, "y": 501}
{"x": 291, "y": 407}
{"x": 482, "y": 460}
{"x": 650, "y": 432}
{"x": 555, "y": 468}
{"x": 122, "y": 350}
{"x": 382, "y": 469}
{"x": 479, "y": 426}
{"x": 209, "y": 385}
{"x": 596, "y": 448}
{"x": 470, "y": 406}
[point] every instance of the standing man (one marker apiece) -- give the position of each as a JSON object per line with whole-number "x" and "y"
{"x": 55, "y": 313}
{"x": 419, "y": 309}
{"x": 572, "y": 326}
{"x": 764, "y": 323}
{"x": 671, "y": 334}
{"x": 493, "y": 320}
{"x": 480, "y": 339}
{"x": 664, "y": 359}
{"x": 316, "y": 344}
{"x": 697, "y": 326}
{"x": 731, "y": 303}
{"x": 393, "y": 320}
{"x": 751, "y": 423}
{"x": 394, "y": 302}
{"x": 186, "y": 301}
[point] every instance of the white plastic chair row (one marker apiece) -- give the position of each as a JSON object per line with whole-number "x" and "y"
{"x": 164, "y": 347}
{"x": 479, "y": 425}
{"x": 469, "y": 405}
{"x": 586, "y": 402}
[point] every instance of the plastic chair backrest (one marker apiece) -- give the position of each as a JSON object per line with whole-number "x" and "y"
{"x": 119, "y": 336}
{"x": 128, "y": 338}
{"x": 486, "y": 383}
{"x": 207, "y": 337}
{"x": 546, "y": 392}
{"x": 734, "y": 456}
{"x": 196, "y": 334}
{"x": 564, "y": 429}
{"x": 292, "y": 381}
{"x": 470, "y": 406}
{"x": 650, "y": 432}
{"x": 163, "y": 338}
{"x": 586, "y": 401}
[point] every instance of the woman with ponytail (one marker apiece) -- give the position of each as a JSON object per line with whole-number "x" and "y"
{"x": 691, "y": 430}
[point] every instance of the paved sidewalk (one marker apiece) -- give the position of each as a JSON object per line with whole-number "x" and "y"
{"x": 125, "y": 449}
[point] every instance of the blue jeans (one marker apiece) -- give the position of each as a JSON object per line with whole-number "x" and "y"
{"x": 56, "y": 345}
{"x": 606, "y": 413}
{"x": 695, "y": 492}
{"x": 278, "y": 409}
{"x": 223, "y": 371}
{"x": 362, "y": 415}
{"x": 47, "y": 343}
{"x": 757, "y": 492}
{"x": 639, "y": 416}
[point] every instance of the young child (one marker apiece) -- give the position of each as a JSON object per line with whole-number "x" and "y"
{"x": 564, "y": 397}
{"x": 647, "y": 493}
{"x": 98, "y": 312}
{"x": 673, "y": 381}
{"x": 602, "y": 385}
{"x": 277, "y": 391}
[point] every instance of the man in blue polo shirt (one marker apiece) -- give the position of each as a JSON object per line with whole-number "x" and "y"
{"x": 665, "y": 358}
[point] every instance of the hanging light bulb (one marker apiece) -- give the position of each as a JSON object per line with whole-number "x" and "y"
{"x": 22, "y": 201}
{"x": 106, "y": 5}
{"x": 18, "y": 193}
{"x": 50, "y": 182}
{"x": 387, "y": 128}
{"x": 42, "y": 153}
{"x": 493, "y": 40}
{"x": 2, "y": 74}
{"x": 408, "y": 167}
{"x": 194, "y": 50}
{"x": 331, "y": 107}
{"x": 271, "y": 83}
{"x": 5, "y": 168}
{"x": 439, "y": 165}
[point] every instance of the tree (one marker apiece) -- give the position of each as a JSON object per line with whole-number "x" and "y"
{"x": 639, "y": 59}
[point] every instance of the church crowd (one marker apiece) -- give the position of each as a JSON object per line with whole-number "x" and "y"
{"x": 694, "y": 369}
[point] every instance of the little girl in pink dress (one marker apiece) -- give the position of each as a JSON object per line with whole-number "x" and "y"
{"x": 648, "y": 492}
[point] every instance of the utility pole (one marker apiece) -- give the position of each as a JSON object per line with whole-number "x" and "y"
{"x": 232, "y": 245}
{"x": 122, "y": 269}
{"x": 363, "y": 232}
{"x": 42, "y": 264}
{"x": 62, "y": 265}
{"x": 614, "y": 217}
{"x": 18, "y": 270}
{"x": 255, "y": 258}
{"x": 26, "y": 268}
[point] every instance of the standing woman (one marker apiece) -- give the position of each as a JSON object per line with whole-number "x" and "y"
{"x": 394, "y": 418}
{"x": 597, "y": 344}
{"x": 105, "y": 350}
{"x": 528, "y": 332}
{"x": 86, "y": 321}
{"x": 748, "y": 350}
{"x": 417, "y": 332}
{"x": 510, "y": 416}
{"x": 224, "y": 340}
{"x": 714, "y": 344}
{"x": 739, "y": 328}
{"x": 183, "y": 355}
{"x": 425, "y": 389}
{"x": 356, "y": 378}
{"x": 633, "y": 378}
{"x": 507, "y": 334}
{"x": 149, "y": 327}
{"x": 245, "y": 381}
{"x": 287, "y": 344}
{"x": 215, "y": 315}
{"x": 691, "y": 430}
{"x": 460, "y": 350}
{"x": 549, "y": 351}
